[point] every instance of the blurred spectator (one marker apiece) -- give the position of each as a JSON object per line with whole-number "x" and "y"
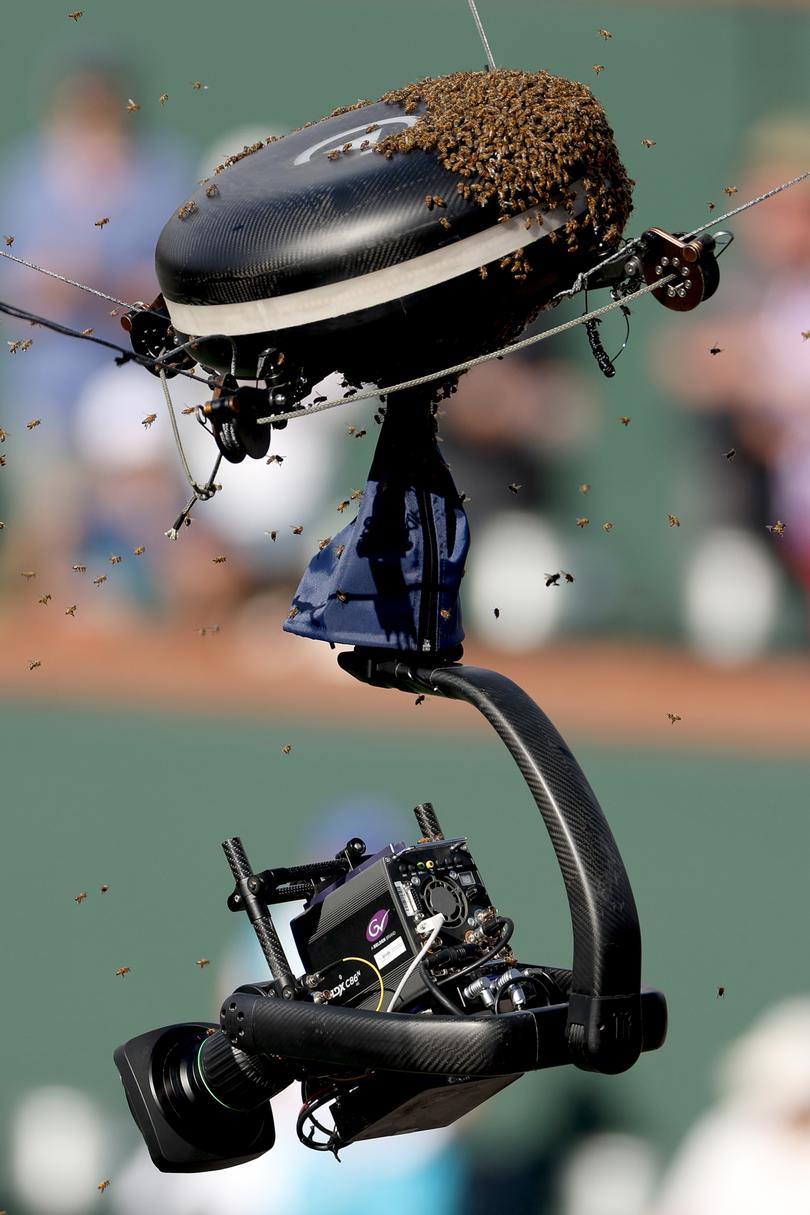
{"x": 751, "y": 1152}
{"x": 748, "y": 369}
{"x": 60, "y": 1146}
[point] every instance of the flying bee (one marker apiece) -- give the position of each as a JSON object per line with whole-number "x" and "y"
{"x": 568, "y": 577}
{"x": 132, "y": 107}
{"x": 198, "y": 85}
{"x": 33, "y": 664}
{"x": 341, "y": 506}
{"x": 496, "y": 612}
{"x": 420, "y": 700}
{"x": 673, "y": 717}
{"x": 28, "y": 574}
{"x": 584, "y": 487}
{"x": 607, "y": 527}
{"x": 123, "y": 970}
{"x": 674, "y": 521}
{"x": 71, "y": 611}
{"x": 806, "y": 334}
{"x": 648, "y": 143}
{"x": 598, "y": 67}
{"x": 164, "y": 97}
{"x": 115, "y": 559}
{"x": 342, "y": 596}
{"x": 219, "y": 560}
{"x": 140, "y": 550}
{"x": 287, "y": 748}
{"x": 102, "y": 223}
{"x": 3, "y": 435}
{"x": 2, "y": 461}
{"x": 444, "y": 613}
{"x": 102, "y": 578}
{"x": 87, "y": 332}
{"x": 721, "y": 991}
{"x": 712, "y": 206}
{"x": 297, "y": 528}
{"x": 605, "y": 34}
{"x": 272, "y": 535}
{"x": 552, "y": 579}
{"x": 104, "y": 888}
{"x": 729, "y": 190}
{"x": 103, "y": 1185}
{"x": 203, "y": 962}
{"x": 45, "y": 599}
{"x": 8, "y": 241}
{"x": 356, "y": 494}
{"x": 340, "y": 550}
{"x": 79, "y": 898}
{"x": 75, "y": 16}
{"x": 79, "y": 569}
{"x": 778, "y": 528}
{"x": 27, "y": 344}
{"x": 148, "y": 420}
{"x": 322, "y": 544}
{"x": 13, "y": 347}
{"x": 514, "y": 488}
{"x": 715, "y": 349}
{"x": 583, "y": 521}
{"x": 625, "y": 421}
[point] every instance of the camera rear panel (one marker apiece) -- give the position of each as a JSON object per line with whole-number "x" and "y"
{"x": 360, "y": 933}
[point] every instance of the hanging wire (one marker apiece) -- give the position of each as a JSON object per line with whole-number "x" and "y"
{"x": 72, "y": 282}
{"x": 482, "y": 34}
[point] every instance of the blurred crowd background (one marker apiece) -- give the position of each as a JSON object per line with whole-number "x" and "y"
{"x": 696, "y": 453}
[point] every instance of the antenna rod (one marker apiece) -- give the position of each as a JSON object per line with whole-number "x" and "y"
{"x": 482, "y": 34}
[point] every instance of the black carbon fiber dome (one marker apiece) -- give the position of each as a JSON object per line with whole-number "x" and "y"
{"x": 287, "y": 218}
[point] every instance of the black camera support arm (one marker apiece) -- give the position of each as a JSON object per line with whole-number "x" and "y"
{"x": 604, "y": 1013}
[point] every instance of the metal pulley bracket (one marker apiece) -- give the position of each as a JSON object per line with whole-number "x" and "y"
{"x": 150, "y": 332}
{"x": 692, "y": 262}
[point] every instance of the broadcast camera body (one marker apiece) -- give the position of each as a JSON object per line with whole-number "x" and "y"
{"x": 306, "y": 255}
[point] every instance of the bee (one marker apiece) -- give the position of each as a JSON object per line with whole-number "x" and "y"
{"x": 132, "y": 107}
{"x": 3, "y": 435}
{"x": 333, "y": 155}
{"x": 319, "y": 400}
{"x": 358, "y": 434}
{"x": 444, "y": 613}
{"x": 584, "y": 487}
{"x": 778, "y": 528}
{"x": 347, "y": 147}
{"x": 272, "y": 535}
{"x": 114, "y": 311}
{"x": 496, "y": 612}
{"x": 287, "y": 748}
{"x": 605, "y": 34}
{"x": 297, "y": 528}
{"x": 445, "y": 223}
{"x": 648, "y": 143}
{"x": 140, "y": 550}
{"x": 45, "y": 599}
{"x": 219, "y": 560}
{"x": 188, "y": 208}
{"x": 607, "y": 527}
{"x": 293, "y": 612}
{"x": 342, "y": 505}
{"x": 598, "y": 67}
{"x": 115, "y": 559}
{"x": 71, "y": 611}
{"x": 322, "y": 544}
{"x": 673, "y": 717}
{"x": 729, "y": 190}
{"x": 484, "y": 273}
{"x": 13, "y": 347}
{"x": 104, "y": 888}
{"x": 731, "y": 453}
{"x": 28, "y": 574}
{"x": 552, "y": 579}
{"x": 102, "y": 223}
{"x": 356, "y": 494}
{"x": 438, "y": 201}
{"x": 164, "y": 97}
{"x": 197, "y": 85}
{"x": 420, "y": 700}
{"x": 79, "y": 898}
{"x": 429, "y": 203}
{"x": 2, "y": 525}
{"x": 103, "y": 1185}
{"x": 148, "y": 420}
{"x": 8, "y": 241}
{"x": 102, "y": 578}
{"x": 568, "y": 577}
{"x": 374, "y": 126}
{"x": 203, "y": 962}
{"x": 212, "y": 191}
{"x": 712, "y": 206}
{"x": 715, "y": 349}
{"x": 806, "y": 334}
{"x": 33, "y": 664}
{"x": 583, "y": 521}
{"x": 27, "y": 344}
{"x": 721, "y": 991}
{"x": 342, "y": 596}
{"x": 625, "y": 421}
{"x": 79, "y": 569}
{"x": 340, "y": 550}
{"x": 514, "y": 488}
{"x": 123, "y": 970}
{"x": 75, "y": 16}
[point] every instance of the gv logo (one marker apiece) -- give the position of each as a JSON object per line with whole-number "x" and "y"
{"x": 377, "y": 924}
{"x": 362, "y": 136}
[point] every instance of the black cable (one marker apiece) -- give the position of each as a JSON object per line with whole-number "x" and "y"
{"x": 127, "y": 356}
{"x": 437, "y": 992}
{"x": 509, "y": 927}
{"x": 307, "y": 1114}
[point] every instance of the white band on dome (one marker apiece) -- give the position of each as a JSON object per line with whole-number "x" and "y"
{"x": 378, "y": 287}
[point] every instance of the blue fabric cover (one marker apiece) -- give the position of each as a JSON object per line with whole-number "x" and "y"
{"x": 395, "y": 583}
